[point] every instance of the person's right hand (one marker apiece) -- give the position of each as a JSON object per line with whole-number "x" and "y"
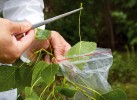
{"x": 10, "y": 47}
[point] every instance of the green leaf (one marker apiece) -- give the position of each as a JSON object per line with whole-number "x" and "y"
{"x": 79, "y": 49}
{"x": 86, "y": 47}
{"x": 119, "y": 16}
{"x": 7, "y": 78}
{"x": 116, "y": 94}
{"x": 65, "y": 91}
{"x": 60, "y": 73}
{"x": 14, "y": 77}
{"x": 48, "y": 74}
{"x": 42, "y": 34}
{"x": 30, "y": 94}
{"x": 37, "y": 71}
{"x": 130, "y": 3}
{"x": 134, "y": 41}
{"x": 23, "y": 77}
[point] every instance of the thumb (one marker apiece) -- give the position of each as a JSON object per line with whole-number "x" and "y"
{"x": 20, "y": 27}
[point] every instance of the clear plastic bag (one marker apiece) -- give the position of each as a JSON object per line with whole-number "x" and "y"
{"x": 92, "y": 78}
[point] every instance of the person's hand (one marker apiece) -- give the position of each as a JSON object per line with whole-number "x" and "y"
{"x": 10, "y": 47}
{"x": 55, "y": 42}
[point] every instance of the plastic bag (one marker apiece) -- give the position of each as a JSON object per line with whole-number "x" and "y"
{"x": 92, "y": 78}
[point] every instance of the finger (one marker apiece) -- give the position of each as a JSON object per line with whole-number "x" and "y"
{"x": 20, "y": 27}
{"x": 57, "y": 43}
{"x": 47, "y": 59}
{"x": 7, "y": 61}
{"x": 67, "y": 47}
{"x": 58, "y": 60}
{"x": 26, "y": 41}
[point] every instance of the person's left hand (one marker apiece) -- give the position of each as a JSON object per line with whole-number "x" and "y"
{"x": 56, "y": 42}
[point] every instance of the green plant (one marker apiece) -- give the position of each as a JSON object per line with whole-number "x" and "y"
{"x": 39, "y": 80}
{"x": 42, "y": 81}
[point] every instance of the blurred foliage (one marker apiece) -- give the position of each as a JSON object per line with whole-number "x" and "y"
{"x": 97, "y": 18}
{"x": 123, "y": 72}
{"x": 124, "y": 68}
{"x": 124, "y": 20}
{"x": 68, "y": 26}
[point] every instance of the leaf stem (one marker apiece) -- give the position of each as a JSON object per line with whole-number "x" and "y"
{"x": 47, "y": 52}
{"x": 83, "y": 91}
{"x": 43, "y": 92}
{"x": 52, "y": 92}
{"x": 48, "y": 96}
{"x": 88, "y": 86}
{"x": 34, "y": 84}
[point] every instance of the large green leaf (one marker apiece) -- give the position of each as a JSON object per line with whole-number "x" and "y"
{"x": 48, "y": 74}
{"x": 7, "y": 78}
{"x": 79, "y": 49}
{"x": 37, "y": 71}
{"x": 23, "y": 77}
{"x": 14, "y": 77}
{"x": 116, "y": 94}
{"x": 68, "y": 92}
{"x": 82, "y": 48}
{"x": 42, "y": 34}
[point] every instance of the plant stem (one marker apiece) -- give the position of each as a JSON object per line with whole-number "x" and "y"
{"x": 52, "y": 92}
{"x": 43, "y": 92}
{"x": 34, "y": 84}
{"x": 64, "y": 81}
{"x": 47, "y": 52}
{"x": 48, "y": 96}
{"x": 83, "y": 91}
{"x": 80, "y": 28}
{"x": 39, "y": 54}
{"x": 87, "y": 88}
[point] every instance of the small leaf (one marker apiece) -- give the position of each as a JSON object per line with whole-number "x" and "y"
{"x": 48, "y": 74}
{"x": 42, "y": 34}
{"x": 37, "y": 70}
{"x": 65, "y": 91}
